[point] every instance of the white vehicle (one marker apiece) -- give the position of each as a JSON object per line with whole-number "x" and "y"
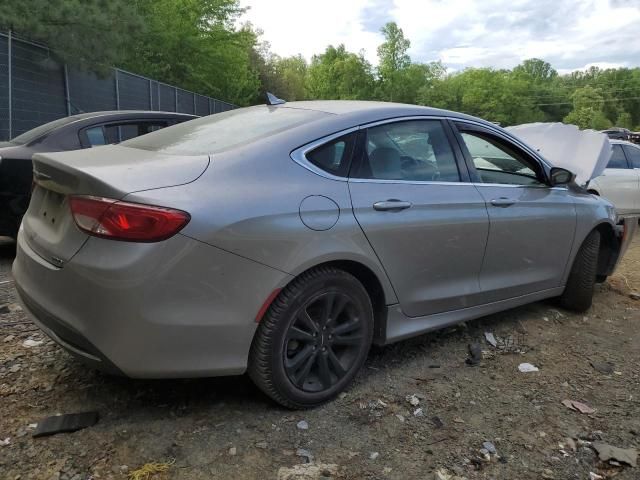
{"x": 620, "y": 181}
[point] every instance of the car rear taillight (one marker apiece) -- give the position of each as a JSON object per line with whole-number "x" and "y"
{"x": 133, "y": 222}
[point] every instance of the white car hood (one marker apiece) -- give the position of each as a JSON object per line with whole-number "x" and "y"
{"x": 584, "y": 152}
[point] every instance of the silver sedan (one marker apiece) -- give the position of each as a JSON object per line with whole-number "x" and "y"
{"x": 285, "y": 240}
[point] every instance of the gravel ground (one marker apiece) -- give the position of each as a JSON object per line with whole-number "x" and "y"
{"x": 223, "y": 428}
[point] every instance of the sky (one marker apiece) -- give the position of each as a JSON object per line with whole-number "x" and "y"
{"x": 569, "y": 34}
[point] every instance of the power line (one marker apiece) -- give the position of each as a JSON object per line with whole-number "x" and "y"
{"x": 594, "y": 101}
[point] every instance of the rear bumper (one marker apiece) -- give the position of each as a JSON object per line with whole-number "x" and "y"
{"x": 178, "y": 308}
{"x": 68, "y": 338}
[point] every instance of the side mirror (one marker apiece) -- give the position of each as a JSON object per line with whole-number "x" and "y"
{"x": 561, "y": 176}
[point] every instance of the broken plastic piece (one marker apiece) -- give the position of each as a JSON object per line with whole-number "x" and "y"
{"x": 65, "y": 423}
{"x": 527, "y": 367}
{"x": 491, "y": 339}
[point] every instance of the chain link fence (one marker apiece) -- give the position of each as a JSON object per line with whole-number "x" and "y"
{"x": 35, "y": 89}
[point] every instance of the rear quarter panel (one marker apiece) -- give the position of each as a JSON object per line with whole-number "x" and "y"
{"x": 248, "y": 203}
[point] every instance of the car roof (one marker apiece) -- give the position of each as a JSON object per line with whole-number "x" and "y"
{"x": 341, "y": 107}
{"x": 370, "y": 111}
{"x": 127, "y": 113}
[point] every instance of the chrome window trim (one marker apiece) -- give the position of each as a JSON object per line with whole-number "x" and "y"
{"x": 410, "y": 182}
{"x": 402, "y": 119}
{"x": 299, "y": 154}
{"x": 511, "y": 185}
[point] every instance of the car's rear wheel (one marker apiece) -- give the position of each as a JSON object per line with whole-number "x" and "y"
{"x": 578, "y": 293}
{"x": 313, "y": 340}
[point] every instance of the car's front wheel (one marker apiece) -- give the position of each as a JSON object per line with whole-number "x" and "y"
{"x": 313, "y": 340}
{"x": 578, "y": 293}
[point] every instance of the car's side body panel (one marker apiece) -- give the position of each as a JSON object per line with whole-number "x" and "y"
{"x": 260, "y": 218}
{"x": 621, "y": 187}
{"x": 620, "y": 181}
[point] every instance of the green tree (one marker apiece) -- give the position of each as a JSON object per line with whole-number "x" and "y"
{"x": 194, "y": 44}
{"x": 393, "y": 60}
{"x": 587, "y": 109}
{"x": 624, "y": 120}
{"x": 339, "y": 74}
{"x": 89, "y": 34}
{"x": 536, "y": 70}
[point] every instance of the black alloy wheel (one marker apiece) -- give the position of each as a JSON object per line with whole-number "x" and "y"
{"x": 314, "y": 338}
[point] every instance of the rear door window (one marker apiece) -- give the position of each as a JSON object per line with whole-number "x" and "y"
{"x": 415, "y": 150}
{"x": 633, "y": 154}
{"x": 618, "y": 159}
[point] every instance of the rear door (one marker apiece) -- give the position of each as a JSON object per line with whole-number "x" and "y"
{"x": 620, "y": 182}
{"x": 531, "y": 225}
{"x": 426, "y": 222}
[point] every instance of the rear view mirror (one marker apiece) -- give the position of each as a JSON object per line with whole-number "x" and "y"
{"x": 561, "y": 176}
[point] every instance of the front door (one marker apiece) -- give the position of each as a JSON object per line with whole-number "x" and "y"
{"x": 531, "y": 225}
{"x": 428, "y": 228}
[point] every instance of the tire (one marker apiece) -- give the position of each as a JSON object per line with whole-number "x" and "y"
{"x": 292, "y": 329}
{"x": 578, "y": 293}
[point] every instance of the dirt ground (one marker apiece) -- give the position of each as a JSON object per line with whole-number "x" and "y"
{"x": 224, "y": 428}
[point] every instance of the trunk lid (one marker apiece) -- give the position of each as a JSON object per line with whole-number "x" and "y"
{"x": 112, "y": 172}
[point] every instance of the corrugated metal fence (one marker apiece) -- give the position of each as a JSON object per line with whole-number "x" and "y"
{"x": 35, "y": 89}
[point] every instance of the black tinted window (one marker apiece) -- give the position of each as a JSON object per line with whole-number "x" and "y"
{"x": 416, "y": 150}
{"x": 119, "y": 132}
{"x": 334, "y": 157}
{"x": 633, "y": 154}
{"x": 618, "y": 160}
{"x": 95, "y": 135}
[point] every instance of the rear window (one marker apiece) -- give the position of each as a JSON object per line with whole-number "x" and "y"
{"x": 223, "y": 131}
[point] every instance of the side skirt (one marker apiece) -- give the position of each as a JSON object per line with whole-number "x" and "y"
{"x": 400, "y": 327}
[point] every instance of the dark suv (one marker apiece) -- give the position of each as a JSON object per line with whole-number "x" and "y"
{"x": 618, "y": 133}
{"x": 84, "y": 130}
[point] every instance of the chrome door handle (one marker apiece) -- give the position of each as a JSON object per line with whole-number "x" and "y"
{"x": 503, "y": 202}
{"x": 392, "y": 205}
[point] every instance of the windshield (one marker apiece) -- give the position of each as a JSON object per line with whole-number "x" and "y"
{"x": 35, "y": 133}
{"x": 224, "y": 131}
